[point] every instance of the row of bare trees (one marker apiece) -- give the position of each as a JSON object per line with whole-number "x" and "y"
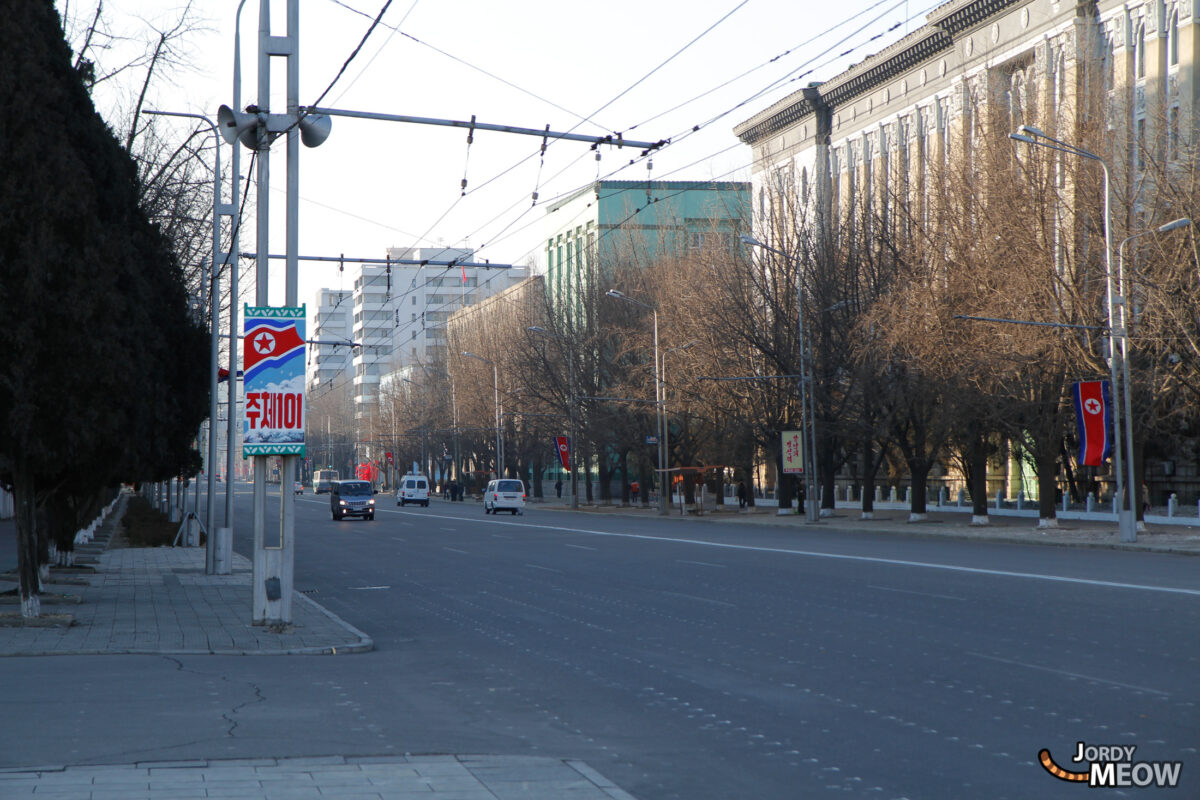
{"x": 905, "y": 385}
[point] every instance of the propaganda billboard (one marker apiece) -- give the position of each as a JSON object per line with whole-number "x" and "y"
{"x": 273, "y": 365}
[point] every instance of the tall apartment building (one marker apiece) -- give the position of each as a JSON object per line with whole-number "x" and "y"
{"x": 332, "y": 324}
{"x": 400, "y": 310}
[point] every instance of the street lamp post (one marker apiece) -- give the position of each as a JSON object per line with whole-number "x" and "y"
{"x": 212, "y": 281}
{"x": 807, "y": 389}
{"x": 666, "y": 418}
{"x": 1117, "y": 333}
{"x": 664, "y": 477}
{"x": 496, "y": 399}
{"x": 570, "y": 407}
{"x": 1126, "y": 399}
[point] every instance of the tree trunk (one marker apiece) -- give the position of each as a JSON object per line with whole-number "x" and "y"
{"x": 870, "y": 470}
{"x": 1047, "y": 479}
{"x": 977, "y": 479}
{"x": 783, "y": 485}
{"x": 918, "y": 470}
{"x": 26, "y": 519}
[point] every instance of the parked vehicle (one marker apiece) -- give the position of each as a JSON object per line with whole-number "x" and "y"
{"x": 413, "y": 488}
{"x": 352, "y": 499}
{"x": 505, "y": 494}
{"x": 323, "y": 479}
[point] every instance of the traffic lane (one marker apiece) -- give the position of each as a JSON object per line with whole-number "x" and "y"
{"x": 488, "y": 596}
{"x": 1099, "y": 564}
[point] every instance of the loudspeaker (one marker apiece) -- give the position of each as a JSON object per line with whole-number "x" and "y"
{"x": 314, "y": 129}
{"x": 238, "y": 126}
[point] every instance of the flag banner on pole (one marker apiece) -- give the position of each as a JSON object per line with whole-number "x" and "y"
{"x": 1093, "y": 418}
{"x": 273, "y": 356}
{"x": 793, "y": 452}
{"x": 564, "y": 451}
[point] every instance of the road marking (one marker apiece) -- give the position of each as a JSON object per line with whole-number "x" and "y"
{"x": 700, "y": 563}
{"x": 909, "y": 591}
{"x": 1069, "y": 674}
{"x": 698, "y": 599}
{"x": 449, "y": 529}
{"x": 583, "y": 547}
{"x": 895, "y": 562}
{"x": 367, "y": 588}
{"x": 500, "y": 536}
{"x": 456, "y": 550}
{"x": 547, "y": 569}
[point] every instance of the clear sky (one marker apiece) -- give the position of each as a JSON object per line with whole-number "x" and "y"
{"x": 649, "y": 68}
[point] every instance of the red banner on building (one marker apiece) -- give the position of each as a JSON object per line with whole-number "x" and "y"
{"x": 564, "y": 451}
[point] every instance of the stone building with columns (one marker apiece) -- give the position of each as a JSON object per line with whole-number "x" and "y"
{"x": 911, "y": 103}
{"x": 1119, "y": 77}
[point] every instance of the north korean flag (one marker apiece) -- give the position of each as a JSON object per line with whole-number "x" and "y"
{"x": 270, "y": 340}
{"x": 1093, "y": 417}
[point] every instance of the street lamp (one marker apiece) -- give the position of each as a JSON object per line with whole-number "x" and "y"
{"x": 496, "y": 397}
{"x": 664, "y": 478}
{"x": 1126, "y": 399}
{"x": 213, "y": 283}
{"x": 666, "y": 419}
{"x": 570, "y": 407}
{"x": 807, "y": 403}
{"x": 1117, "y": 332}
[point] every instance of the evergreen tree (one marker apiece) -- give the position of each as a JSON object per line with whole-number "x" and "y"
{"x": 102, "y": 378}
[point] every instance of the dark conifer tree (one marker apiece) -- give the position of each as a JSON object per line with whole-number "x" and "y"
{"x": 102, "y": 378}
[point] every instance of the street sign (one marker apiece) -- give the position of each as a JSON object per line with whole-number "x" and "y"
{"x": 651, "y": 440}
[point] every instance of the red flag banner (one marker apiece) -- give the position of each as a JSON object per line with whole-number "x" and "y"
{"x": 564, "y": 451}
{"x": 1093, "y": 419}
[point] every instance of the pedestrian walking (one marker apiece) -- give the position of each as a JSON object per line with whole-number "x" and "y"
{"x": 558, "y": 487}
{"x": 633, "y": 490}
{"x": 741, "y": 494}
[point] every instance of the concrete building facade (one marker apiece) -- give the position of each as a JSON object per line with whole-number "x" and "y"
{"x": 634, "y": 222}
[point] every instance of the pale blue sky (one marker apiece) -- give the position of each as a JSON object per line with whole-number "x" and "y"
{"x": 372, "y": 184}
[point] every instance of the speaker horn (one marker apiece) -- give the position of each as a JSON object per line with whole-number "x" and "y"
{"x": 314, "y": 129}
{"x": 238, "y": 126}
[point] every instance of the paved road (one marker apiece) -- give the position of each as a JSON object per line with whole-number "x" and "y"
{"x": 681, "y": 659}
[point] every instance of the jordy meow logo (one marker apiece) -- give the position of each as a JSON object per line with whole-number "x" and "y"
{"x": 1112, "y": 765}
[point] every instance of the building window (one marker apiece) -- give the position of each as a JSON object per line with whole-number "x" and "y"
{"x": 1173, "y": 133}
{"x": 1139, "y": 40}
{"x": 1173, "y": 39}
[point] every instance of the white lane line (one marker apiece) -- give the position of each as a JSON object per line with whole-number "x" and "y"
{"x": 367, "y": 588}
{"x": 1069, "y": 674}
{"x": 700, "y": 563}
{"x": 698, "y": 599}
{"x": 500, "y": 536}
{"x": 895, "y": 562}
{"x": 909, "y": 591}
{"x": 583, "y": 547}
{"x": 547, "y": 569}
{"x": 456, "y": 550}
{"x": 449, "y": 529}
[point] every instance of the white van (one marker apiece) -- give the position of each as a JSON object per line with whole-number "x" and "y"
{"x": 505, "y": 494}
{"x": 413, "y": 489}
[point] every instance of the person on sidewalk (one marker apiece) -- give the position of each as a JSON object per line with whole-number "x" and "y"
{"x": 633, "y": 491}
{"x": 558, "y": 487}
{"x": 741, "y": 494}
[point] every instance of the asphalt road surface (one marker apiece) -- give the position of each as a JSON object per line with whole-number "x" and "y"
{"x": 681, "y": 660}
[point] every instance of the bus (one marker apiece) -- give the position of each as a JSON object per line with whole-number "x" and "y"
{"x": 322, "y": 478}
